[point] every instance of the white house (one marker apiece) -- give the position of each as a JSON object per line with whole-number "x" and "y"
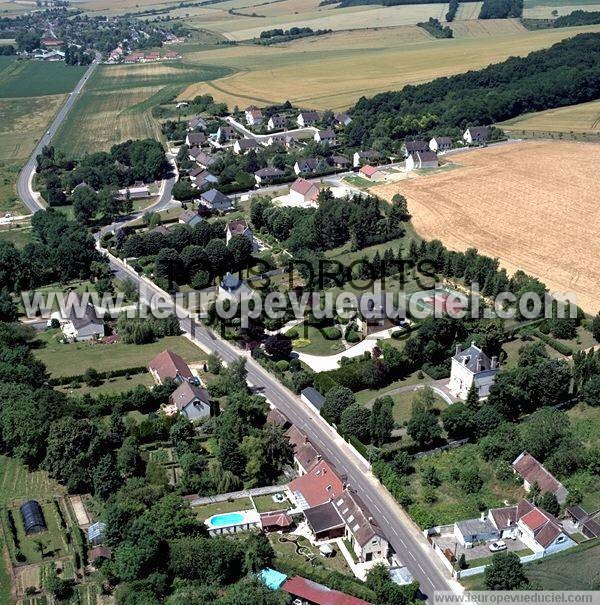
{"x": 254, "y": 116}
{"x": 307, "y": 118}
{"x": 215, "y": 200}
{"x": 326, "y": 136}
{"x": 414, "y": 147}
{"x": 362, "y": 531}
{"x": 472, "y": 366}
{"x": 276, "y": 122}
{"x": 135, "y": 193}
{"x": 233, "y": 288}
{"x": 82, "y": 321}
{"x": 267, "y": 175}
{"x": 238, "y": 227}
{"x": 190, "y": 400}
{"x": 437, "y": 144}
{"x": 242, "y": 146}
{"x": 306, "y": 166}
{"x": 365, "y": 157}
{"x": 303, "y": 191}
{"x": 190, "y": 218}
{"x": 542, "y": 532}
{"x": 226, "y": 133}
{"x": 342, "y": 119}
{"x": 421, "y": 159}
{"x": 195, "y": 139}
{"x": 476, "y": 134}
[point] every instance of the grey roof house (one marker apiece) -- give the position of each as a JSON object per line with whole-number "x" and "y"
{"x": 215, "y": 200}
{"x": 191, "y": 400}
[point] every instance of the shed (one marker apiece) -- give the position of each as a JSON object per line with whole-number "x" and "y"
{"x": 311, "y": 396}
{"x": 33, "y": 517}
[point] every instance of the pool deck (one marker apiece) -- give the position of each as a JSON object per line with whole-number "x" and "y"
{"x": 249, "y": 519}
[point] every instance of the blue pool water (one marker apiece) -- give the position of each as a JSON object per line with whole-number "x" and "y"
{"x": 272, "y": 579}
{"x": 226, "y": 519}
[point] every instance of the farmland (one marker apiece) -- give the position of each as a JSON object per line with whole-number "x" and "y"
{"x": 339, "y": 68}
{"x": 117, "y": 104}
{"x": 17, "y": 483}
{"x": 583, "y": 118}
{"x": 494, "y": 203}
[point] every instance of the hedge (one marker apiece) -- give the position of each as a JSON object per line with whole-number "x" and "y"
{"x": 391, "y": 481}
{"x": 64, "y": 380}
{"x": 561, "y": 347}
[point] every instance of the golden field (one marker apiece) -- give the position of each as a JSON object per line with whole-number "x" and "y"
{"x": 333, "y": 71}
{"x": 584, "y": 117}
{"x": 533, "y": 205}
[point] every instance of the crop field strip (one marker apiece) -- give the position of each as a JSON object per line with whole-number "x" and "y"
{"x": 533, "y": 205}
{"x": 337, "y": 69}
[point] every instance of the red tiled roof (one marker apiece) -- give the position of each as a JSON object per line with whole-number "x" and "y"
{"x": 317, "y": 593}
{"x": 278, "y": 519}
{"x": 534, "y": 472}
{"x": 320, "y": 484}
{"x": 237, "y": 227}
{"x": 302, "y": 186}
{"x": 277, "y": 418}
{"x": 170, "y": 365}
{"x": 369, "y": 170}
{"x": 534, "y": 519}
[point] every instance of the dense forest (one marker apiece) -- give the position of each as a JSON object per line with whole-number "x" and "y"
{"x": 435, "y": 28}
{"x": 564, "y": 74}
{"x": 501, "y": 9}
{"x": 345, "y": 3}
{"x": 577, "y": 18}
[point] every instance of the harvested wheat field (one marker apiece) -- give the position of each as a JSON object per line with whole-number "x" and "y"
{"x": 534, "y": 205}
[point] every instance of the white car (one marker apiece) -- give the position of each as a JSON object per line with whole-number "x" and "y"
{"x": 497, "y": 546}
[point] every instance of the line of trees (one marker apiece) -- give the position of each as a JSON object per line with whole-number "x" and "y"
{"x": 501, "y": 9}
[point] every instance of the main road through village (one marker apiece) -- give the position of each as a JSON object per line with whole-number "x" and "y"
{"x": 404, "y": 536}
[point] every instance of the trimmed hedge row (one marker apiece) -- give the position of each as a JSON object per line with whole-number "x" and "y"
{"x": 561, "y": 347}
{"x": 64, "y": 380}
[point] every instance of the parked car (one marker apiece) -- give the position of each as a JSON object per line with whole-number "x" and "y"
{"x": 497, "y": 546}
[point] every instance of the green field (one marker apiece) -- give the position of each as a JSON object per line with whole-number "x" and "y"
{"x": 4, "y": 576}
{"x": 75, "y": 358}
{"x": 36, "y": 78}
{"x": 17, "y": 483}
{"x": 118, "y": 100}
{"x": 208, "y": 510}
{"x": 18, "y": 237}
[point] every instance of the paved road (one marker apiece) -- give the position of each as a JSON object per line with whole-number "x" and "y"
{"x": 23, "y": 183}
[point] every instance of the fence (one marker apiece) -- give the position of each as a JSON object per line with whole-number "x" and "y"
{"x": 442, "y": 448}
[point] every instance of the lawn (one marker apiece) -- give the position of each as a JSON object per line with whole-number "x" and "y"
{"x": 112, "y": 385}
{"x": 208, "y": 510}
{"x": 37, "y": 78}
{"x": 5, "y": 583}
{"x": 313, "y": 342}
{"x": 403, "y": 402}
{"x": 19, "y": 237}
{"x": 75, "y": 358}
{"x": 265, "y": 504}
{"x": 368, "y": 396}
{"x": 18, "y": 483}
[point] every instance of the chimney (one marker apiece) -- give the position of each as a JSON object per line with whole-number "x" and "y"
{"x": 482, "y": 517}
{"x": 494, "y": 362}
{"x": 457, "y": 349}
{"x": 319, "y": 457}
{"x": 472, "y": 343}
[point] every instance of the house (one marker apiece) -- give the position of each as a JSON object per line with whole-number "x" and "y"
{"x": 201, "y": 178}
{"x": 542, "y": 532}
{"x": 134, "y": 193}
{"x": 319, "y": 485}
{"x": 204, "y": 160}
{"x": 361, "y": 530}
{"x": 189, "y": 218}
{"x": 233, "y": 288}
{"x": 588, "y": 526}
{"x": 365, "y": 157}
{"x": 414, "y": 147}
{"x": 276, "y": 139}
{"x": 195, "y": 139}
{"x": 82, "y": 321}
{"x": 472, "y": 366}
{"x": 437, "y": 144}
{"x": 372, "y": 173}
{"x": 267, "y": 175}
{"x": 276, "y": 122}
{"x": 194, "y": 153}
{"x": 313, "y": 398}
{"x": 170, "y": 365}
{"x": 278, "y": 419}
{"x": 476, "y": 134}
{"x": 98, "y": 552}
{"x": 325, "y": 522}
{"x": 533, "y": 471}
{"x": 254, "y": 116}
{"x": 376, "y": 313}
{"x": 215, "y": 200}
{"x": 303, "y": 191}
{"x": 342, "y": 119}
{"x": 340, "y": 162}
{"x": 305, "y": 454}
{"x": 242, "y": 146}
{"x": 421, "y": 160}
{"x": 307, "y": 592}
{"x": 190, "y": 400}
{"x": 238, "y": 227}
{"x": 226, "y": 133}
{"x": 505, "y": 519}
{"x": 306, "y": 166}
{"x": 326, "y": 136}
{"x": 196, "y": 123}
{"x": 307, "y": 118}
{"x": 472, "y": 531}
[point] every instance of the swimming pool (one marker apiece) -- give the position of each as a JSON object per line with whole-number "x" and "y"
{"x": 226, "y": 519}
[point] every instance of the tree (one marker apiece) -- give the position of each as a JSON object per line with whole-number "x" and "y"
{"x": 424, "y": 400}
{"x": 550, "y": 504}
{"x": 337, "y": 400}
{"x": 424, "y": 428}
{"x": 278, "y": 346}
{"x": 472, "y": 401}
{"x": 382, "y": 420}
{"x": 457, "y": 420}
{"x": 595, "y": 327}
{"x": 258, "y": 553}
{"x": 105, "y": 478}
{"x": 85, "y": 204}
{"x": 8, "y": 309}
{"x": 91, "y": 377}
{"x": 505, "y": 573}
{"x": 218, "y": 256}
{"x": 356, "y": 420}
{"x": 240, "y": 249}
{"x": 129, "y": 459}
{"x": 590, "y": 393}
